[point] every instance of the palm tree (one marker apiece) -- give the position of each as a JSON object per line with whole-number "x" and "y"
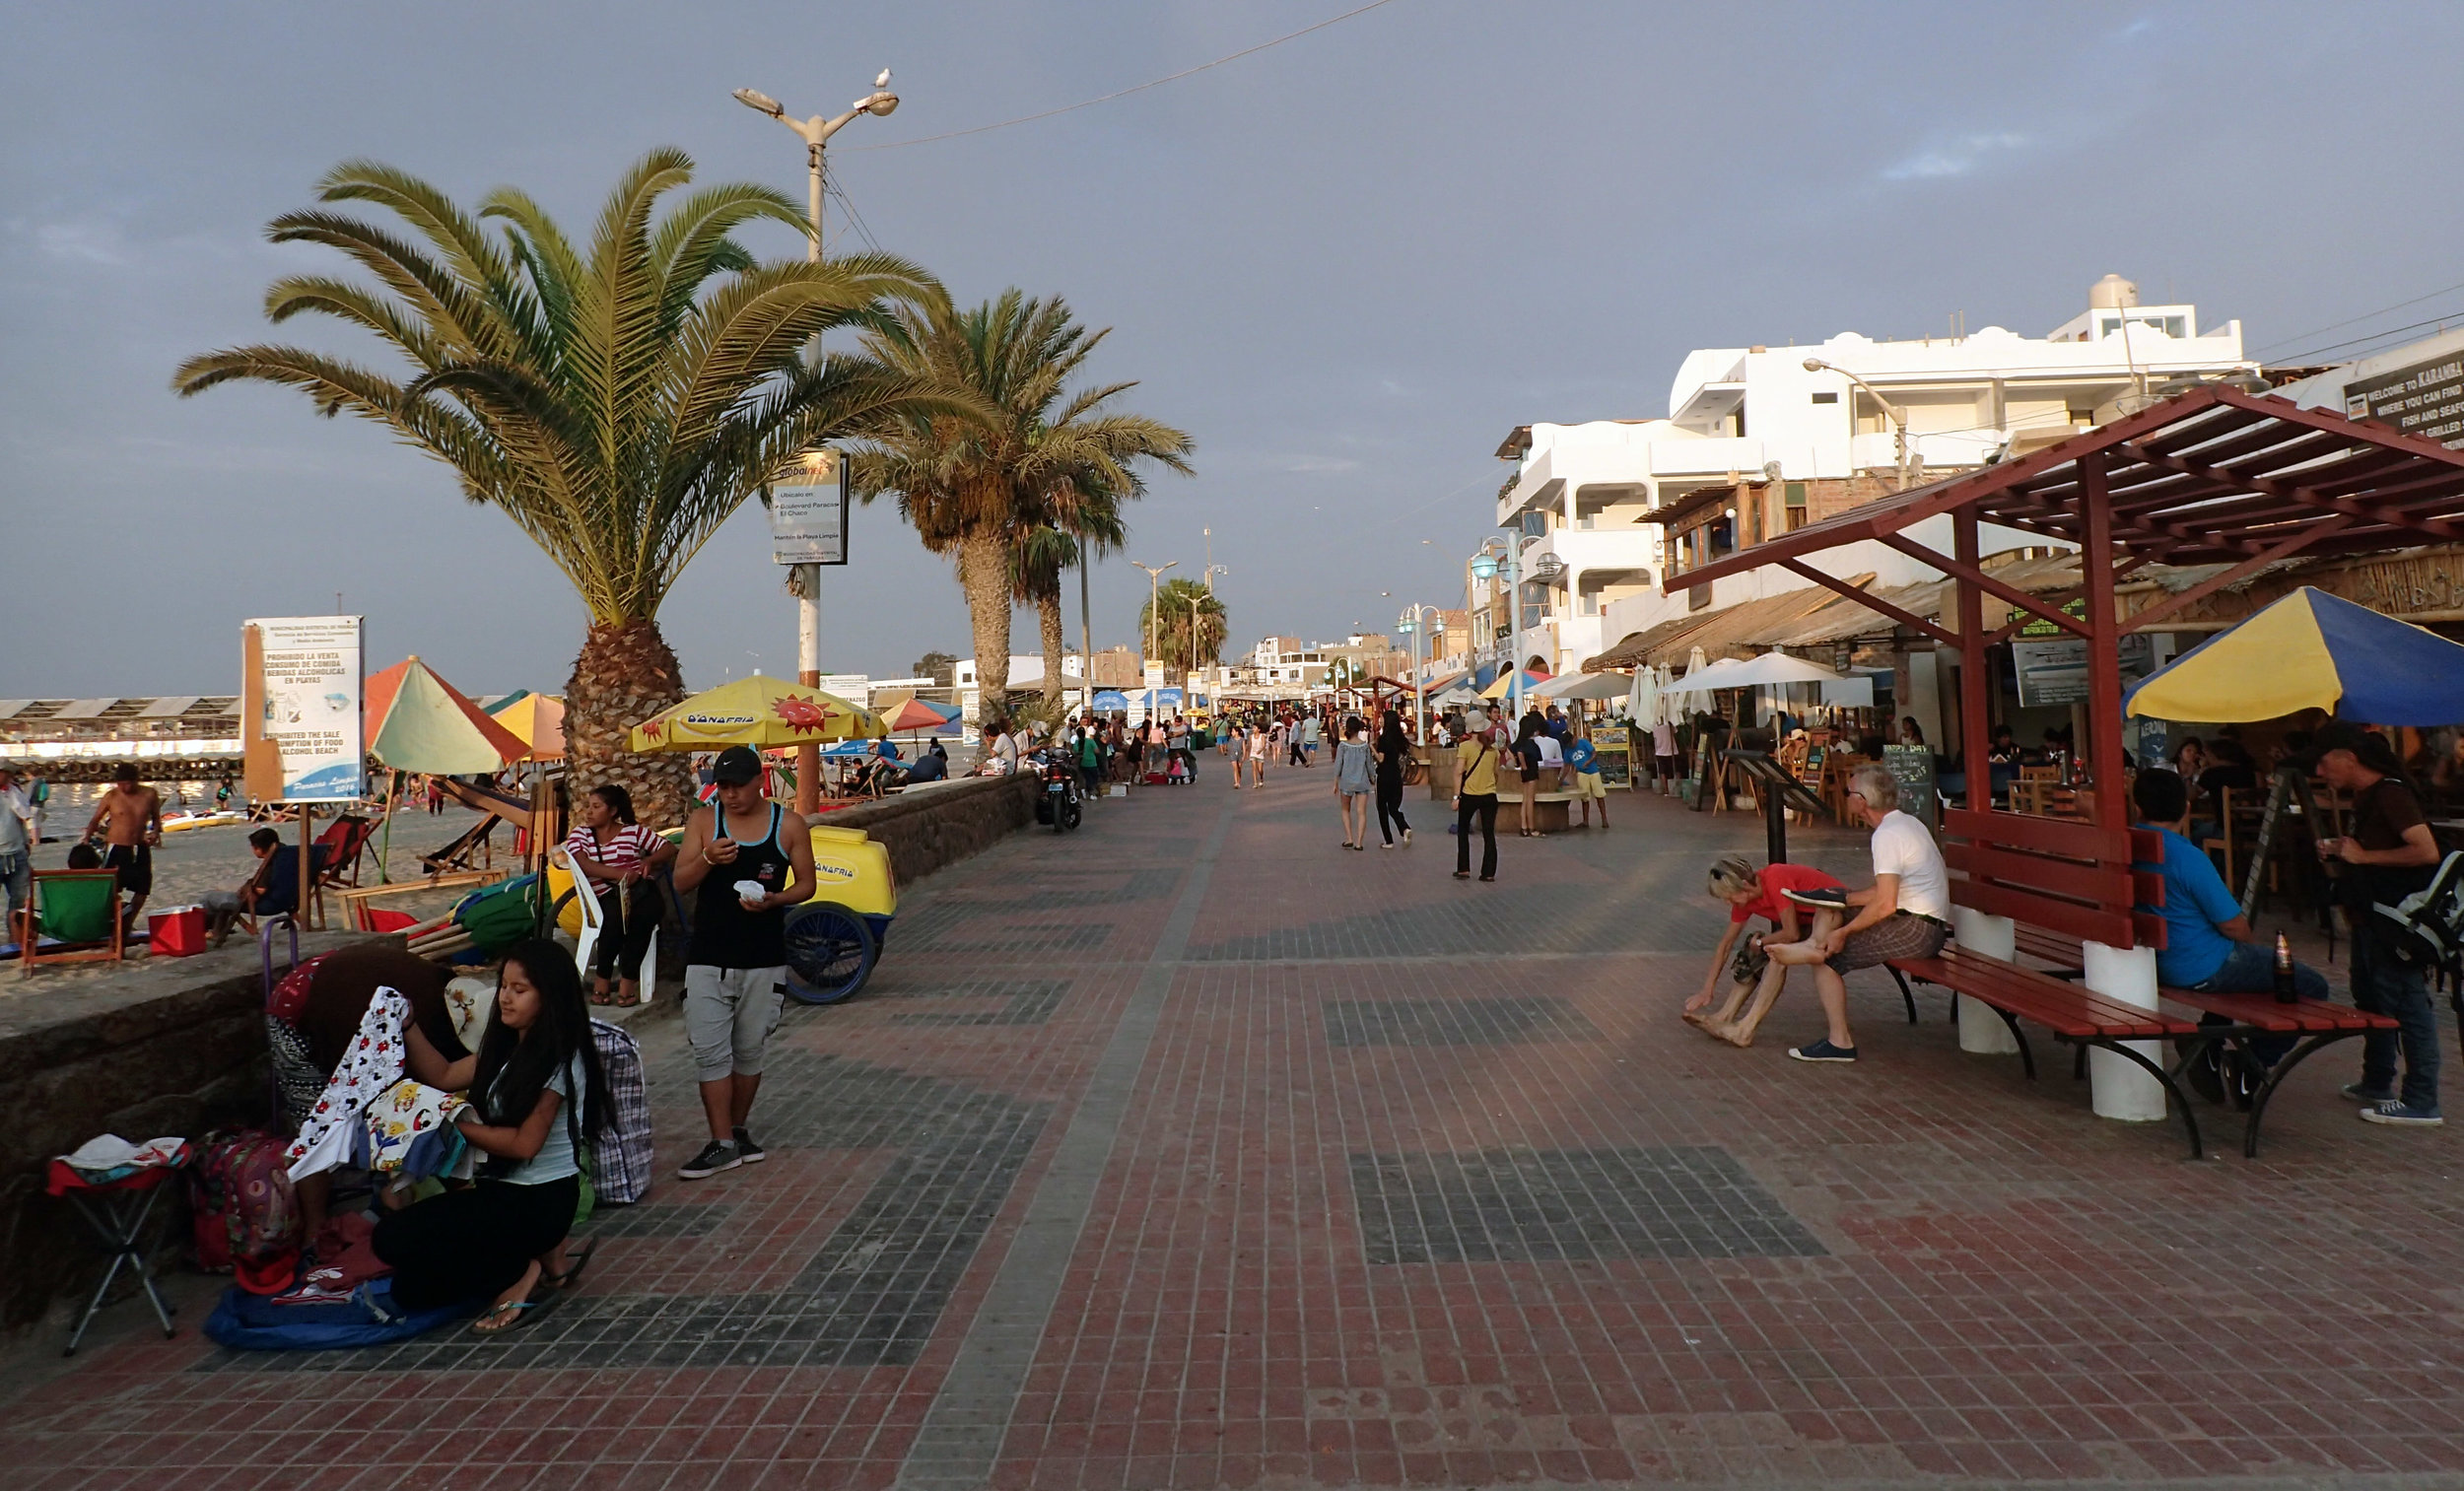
{"x": 618, "y": 402}
{"x": 975, "y": 488}
{"x": 1183, "y": 601}
{"x": 1077, "y": 518}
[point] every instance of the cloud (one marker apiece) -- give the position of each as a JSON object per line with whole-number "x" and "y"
{"x": 1955, "y": 157}
{"x": 83, "y": 242}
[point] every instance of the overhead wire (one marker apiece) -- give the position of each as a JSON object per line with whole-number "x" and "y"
{"x": 2366, "y": 315}
{"x": 1247, "y": 51}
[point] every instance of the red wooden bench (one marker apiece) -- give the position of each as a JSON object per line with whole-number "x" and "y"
{"x": 2245, "y": 1015}
{"x": 2056, "y": 878}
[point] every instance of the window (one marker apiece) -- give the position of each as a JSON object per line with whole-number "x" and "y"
{"x": 1793, "y": 500}
{"x": 1831, "y": 397}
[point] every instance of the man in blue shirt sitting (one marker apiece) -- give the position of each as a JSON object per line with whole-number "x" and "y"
{"x": 2209, "y": 946}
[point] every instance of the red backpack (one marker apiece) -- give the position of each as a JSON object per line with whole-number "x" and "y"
{"x": 245, "y": 1214}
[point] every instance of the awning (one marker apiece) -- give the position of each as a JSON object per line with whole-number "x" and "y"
{"x": 1638, "y": 648}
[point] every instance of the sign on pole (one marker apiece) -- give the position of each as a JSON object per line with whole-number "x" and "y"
{"x": 808, "y": 519}
{"x": 299, "y": 722}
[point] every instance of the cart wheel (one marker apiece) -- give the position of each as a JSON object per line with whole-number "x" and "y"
{"x": 829, "y": 953}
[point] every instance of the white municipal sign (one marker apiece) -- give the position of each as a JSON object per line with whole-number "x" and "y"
{"x": 808, "y": 519}
{"x": 308, "y": 670}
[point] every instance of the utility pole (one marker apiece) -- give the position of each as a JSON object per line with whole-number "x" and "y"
{"x": 1154, "y": 606}
{"x": 804, "y": 580}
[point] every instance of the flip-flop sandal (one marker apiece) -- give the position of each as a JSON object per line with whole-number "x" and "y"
{"x": 523, "y": 1313}
{"x": 621, "y": 1002}
{"x": 602, "y": 997}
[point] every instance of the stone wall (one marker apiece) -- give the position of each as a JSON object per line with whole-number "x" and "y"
{"x": 937, "y": 826}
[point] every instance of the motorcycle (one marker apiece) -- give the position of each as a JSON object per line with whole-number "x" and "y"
{"x": 1061, "y": 803}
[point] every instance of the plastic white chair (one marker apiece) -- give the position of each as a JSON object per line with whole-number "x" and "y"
{"x": 595, "y": 924}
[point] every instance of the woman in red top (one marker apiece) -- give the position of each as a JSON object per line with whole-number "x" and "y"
{"x": 1751, "y": 893}
{"x": 617, "y": 857}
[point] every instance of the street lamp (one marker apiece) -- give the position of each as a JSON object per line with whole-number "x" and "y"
{"x": 1409, "y": 624}
{"x": 1493, "y": 556}
{"x": 1154, "y": 600}
{"x": 804, "y": 580}
{"x": 1898, "y": 416}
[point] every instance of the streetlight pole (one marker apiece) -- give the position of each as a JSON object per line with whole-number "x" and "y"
{"x": 804, "y": 580}
{"x": 1154, "y": 607}
{"x": 1496, "y": 557}
{"x": 1415, "y": 629}
{"x": 1898, "y": 416}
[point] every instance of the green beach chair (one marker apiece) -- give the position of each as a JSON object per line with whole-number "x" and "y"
{"x": 78, "y": 910}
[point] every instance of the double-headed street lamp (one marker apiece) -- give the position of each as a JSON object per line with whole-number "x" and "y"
{"x": 804, "y": 580}
{"x": 1504, "y": 556}
{"x": 1154, "y": 600}
{"x": 1898, "y": 416}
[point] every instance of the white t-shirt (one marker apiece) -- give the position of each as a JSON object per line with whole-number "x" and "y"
{"x": 1553, "y": 755}
{"x": 1902, "y": 847}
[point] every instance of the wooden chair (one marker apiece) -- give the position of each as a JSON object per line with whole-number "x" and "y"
{"x": 80, "y": 911}
{"x": 2220, "y": 845}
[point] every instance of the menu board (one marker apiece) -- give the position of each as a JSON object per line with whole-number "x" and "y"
{"x": 2425, "y": 399}
{"x": 1912, "y": 767}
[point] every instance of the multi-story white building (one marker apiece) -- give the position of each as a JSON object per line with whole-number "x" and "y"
{"x": 1759, "y": 420}
{"x": 1287, "y": 662}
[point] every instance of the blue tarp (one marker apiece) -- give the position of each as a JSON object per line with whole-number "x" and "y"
{"x": 245, "y": 1322}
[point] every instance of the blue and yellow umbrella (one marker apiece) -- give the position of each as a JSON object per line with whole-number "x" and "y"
{"x": 2312, "y": 650}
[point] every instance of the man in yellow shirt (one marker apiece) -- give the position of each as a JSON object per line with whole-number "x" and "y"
{"x": 1476, "y": 797}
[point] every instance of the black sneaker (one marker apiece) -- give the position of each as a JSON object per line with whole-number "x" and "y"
{"x": 2363, "y": 1092}
{"x": 1823, "y": 1050}
{"x": 716, "y": 1156}
{"x": 2397, "y": 1112}
{"x": 747, "y": 1150}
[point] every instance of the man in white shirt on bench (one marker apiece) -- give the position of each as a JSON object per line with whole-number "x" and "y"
{"x": 1906, "y": 915}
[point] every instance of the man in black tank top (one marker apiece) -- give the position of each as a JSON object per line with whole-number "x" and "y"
{"x": 746, "y": 861}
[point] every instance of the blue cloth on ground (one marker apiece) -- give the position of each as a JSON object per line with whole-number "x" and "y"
{"x": 244, "y": 1322}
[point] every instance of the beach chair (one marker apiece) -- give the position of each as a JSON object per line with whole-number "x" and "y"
{"x": 78, "y": 911}
{"x": 340, "y": 846}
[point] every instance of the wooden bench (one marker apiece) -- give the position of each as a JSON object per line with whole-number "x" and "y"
{"x": 2241, "y": 1017}
{"x": 1548, "y": 809}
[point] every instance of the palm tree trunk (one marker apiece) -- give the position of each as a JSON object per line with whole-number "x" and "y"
{"x": 984, "y": 574}
{"x": 624, "y": 674}
{"x": 1048, "y": 613}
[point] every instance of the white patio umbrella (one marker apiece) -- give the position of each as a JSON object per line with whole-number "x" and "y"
{"x": 1773, "y": 668}
{"x": 1702, "y": 679}
{"x": 1584, "y": 686}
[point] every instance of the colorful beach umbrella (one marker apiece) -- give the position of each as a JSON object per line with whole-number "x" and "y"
{"x": 1505, "y": 685}
{"x": 755, "y": 710}
{"x": 538, "y": 718}
{"x": 2312, "y": 650}
{"x": 916, "y": 714}
{"x": 416, "y": 722}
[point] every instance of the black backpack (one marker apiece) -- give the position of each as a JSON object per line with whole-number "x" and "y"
{"x": 2426, "y": 929}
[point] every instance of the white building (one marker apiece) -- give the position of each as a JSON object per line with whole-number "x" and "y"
{"x": 1757, "y": 417}
{"x": 1287, "y": 662}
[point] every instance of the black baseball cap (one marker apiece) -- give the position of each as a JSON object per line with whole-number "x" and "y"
{"x": 736, "y": 765}
{"x": 2370, "y": 749}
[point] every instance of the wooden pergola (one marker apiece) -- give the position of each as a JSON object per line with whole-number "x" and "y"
{"x": 2212, "y": 476}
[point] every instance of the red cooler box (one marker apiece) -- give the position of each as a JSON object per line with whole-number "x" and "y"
{"x": 177, "y": 931}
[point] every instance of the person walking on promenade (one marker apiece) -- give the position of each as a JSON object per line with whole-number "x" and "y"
{"x": 1355, "y": 779}
{"x": 1527, "y": 757}
{"x": 129, "y": 819}
{"x": 735, "y": 975}
{"x": 1583, "y": 765}
{"x": 1394, "y": 748}
{"x": 18, "y": 837}
{"x": 2390, "y": 854}
{"x": 1261, "y": 750}
{"x": 1475, "y": 797}
{"x": 1313, "y": 726}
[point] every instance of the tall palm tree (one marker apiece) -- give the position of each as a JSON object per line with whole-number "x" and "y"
{"x": 617, "y": 401}
{"x": 1073, "y": 520}
{"x": 974, "y": 487}
{"x": 1184, "y": 603}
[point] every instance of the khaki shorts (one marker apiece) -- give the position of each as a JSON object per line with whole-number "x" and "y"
{"x": 1590, "y": 784}
{"x": 728, "y": 1016}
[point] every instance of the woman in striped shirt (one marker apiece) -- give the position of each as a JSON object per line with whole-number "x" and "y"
{"x": 618, "y": 855}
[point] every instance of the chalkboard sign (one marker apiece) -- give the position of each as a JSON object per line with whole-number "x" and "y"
{"x": 1912, "y": 767}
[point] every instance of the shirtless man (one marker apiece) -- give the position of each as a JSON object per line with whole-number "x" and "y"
{"x": 129, "y": 821}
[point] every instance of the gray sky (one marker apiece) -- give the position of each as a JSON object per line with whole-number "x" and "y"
{"x": 1347, "y": 265}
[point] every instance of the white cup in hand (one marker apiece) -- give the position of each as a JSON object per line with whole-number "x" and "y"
{"x": 750, "y": 894}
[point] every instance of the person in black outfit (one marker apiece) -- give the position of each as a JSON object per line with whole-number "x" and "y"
{"x": 1392, "y": 749}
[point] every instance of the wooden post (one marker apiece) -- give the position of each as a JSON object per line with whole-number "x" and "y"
{"x": 2104, "y": 646}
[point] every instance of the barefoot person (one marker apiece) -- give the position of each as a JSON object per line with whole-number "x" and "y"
{"x": 1906, "y": 913}
{"x": 538, "y": 1098}
{"x": 1751, "y": 893}
{"x": 745, "y": 860}
{"x": 129, "y": 821}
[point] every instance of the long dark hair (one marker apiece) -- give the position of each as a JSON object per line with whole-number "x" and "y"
{"x": 1391, "y": 737}
{"x": 514, "y": 1065}
{"x": 619, "y": 801}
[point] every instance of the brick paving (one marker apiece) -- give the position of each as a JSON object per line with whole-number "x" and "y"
{"x": 1195, "y": 1151}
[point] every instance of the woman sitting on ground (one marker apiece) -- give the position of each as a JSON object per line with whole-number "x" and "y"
{"x": 1750, "y": 893}
{"x": 618, "y": 856}
{"x": 538, "y": 1099}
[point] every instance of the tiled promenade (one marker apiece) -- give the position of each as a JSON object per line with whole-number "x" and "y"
{"x": 1191, "y": 1150}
